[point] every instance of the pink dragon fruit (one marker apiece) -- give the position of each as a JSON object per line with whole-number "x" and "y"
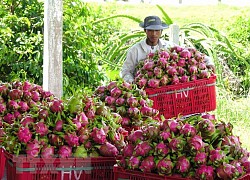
{"x": 65, "y": 151}
{"x": 56, "y": 106}
{"x": 134, "y": 112}
{"x": 35, "y": 96}
{"x": 158, "y": 72}
{"x": 148, "y": 164}
{"x": 202, "y": 66}
{"x": 172, "y": 71}
{"x": 136, "y": 136}
{"x": 13, "y": 105}
{"x": 164, "y": 80}
{"x": 128, "y": 150}
{"x": 205, "y": 172}
{"x": 182, "y": 164}
{"x": 83, "y": 119}
{"x": 226, "y": 171}
{"x": 161, "y": 149}
{"x": 115, "y": 92}
{"x": 98, "y": 135}
{"x": 47, "y": 152}
{"x": 55, "y": 140}
{"x": 33, "y": 148}
{"x": 41, "y": 128}
{"x": 181, "y": 71}
{"x": 188, "y": 130}
{"x": 185, "y": 54}
{"x": 134, "y": 162}
{"x": 193, "y": 69}
{"x": 15, "y": 94}
{"x": 24, "y": 135}
{"x": 72, "y": 139}
{"x": 216, "y": 157}
{"x": 200, "y": 158}
{"x": 184, "y": 79}
{"x": 109, "y": 150}
{"x": 175, "y": 80}
{"x": 132, "y": 101}
{"x": 204, "y": 74}
{"x": 165, "y": 135}
{"x": 23, "y": 106}
{"x": 100, "y": 89}
{"x": 181, "y": 62}
{"x": 153, "y": 83}
{"x": 206, "y": 127}
{"x": 142, "y": 82}
{"x": 162, "y": 62}
{"x": 111, "y": 85}
{"x": 120, "y": 101}
{"x": 192, "y": 61}
{"x": 174, "y": 56}
{"x": 142, "y": 149}
{"x": 26, "y": 120}
{"x": 149, "y": 65}
{"x": 196, "y": 143}
{"x": 164, "y": 54}
{"x": 165, "y": 166}
{"x": 9, "y": 118}
{"x": 176, "y": 144}
{"x": 43, "y": 113}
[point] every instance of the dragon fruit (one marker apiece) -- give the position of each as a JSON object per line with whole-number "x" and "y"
{"x": 216, "y": 157}
{"x": 33, "y": 148}
{"x": 24, "y": 135}
{"x": 188, "y": 130}
{"x": 185, "y": 53}
{"x": 165, "y": 166}
{"x": 43, "y": 114}
{"x": 136, "y": 136}
{"x": 35, "y": 96}
{"x": 132, "y": 101}
{"x": 15, "y": 94}
{"x": 134, "y": 162}
{"x": 56, "y": 106}
{"x": 200, "y": 158}
{"x": 149, "y": 65}
{"x": 115, "y": 92}
{"x": 128, "y": 150}
{"x": 47, "y": 151}
{"x": 142, "y": 149}
{"x": 182, "y": 164}
{"x": 205, "y": 172}
{"x": 153, "y": 83}
{"x": 226, "y": 171}
{"x": 9, "y": 118}
{"x": 196, "y": 143}
{"x": 13, "y": 105}
{"x": 41, "y": 128}
{"x": 158, "y": 72}
{"x": 109, "y": 150}
{"x": 72, "y": 139}
{"x": 23, "y": 106}
{"x": 162, "y": 62}
{"x": 148, "y": 164}
{"x": 98, "y": 135}
{"x": 65, "y": 151}
{"x": 161, "y": 149}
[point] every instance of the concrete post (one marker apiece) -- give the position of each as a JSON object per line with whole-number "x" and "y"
{"x": 52, "y": 55}
{"x": 174, "y": 33}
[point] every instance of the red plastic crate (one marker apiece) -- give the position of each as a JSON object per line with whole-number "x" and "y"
{"x": 120, "y": 174}
{"x": 186, "y": 98}
{"x": 29, "y": 168}
{"x": 2, "y": 162}
{"x": 245, "y": 177}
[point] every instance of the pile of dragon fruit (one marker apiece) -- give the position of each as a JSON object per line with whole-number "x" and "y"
{"x": 174, "y": 66}
{"x": 198, "y": 147}
{"x": 130, "y": 102}
{"x": 36, "y": 123}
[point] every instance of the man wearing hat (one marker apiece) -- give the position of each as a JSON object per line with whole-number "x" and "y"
{"x": 153, "y": 27}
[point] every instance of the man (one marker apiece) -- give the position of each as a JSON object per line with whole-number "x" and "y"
{"x": 153, "y": 27}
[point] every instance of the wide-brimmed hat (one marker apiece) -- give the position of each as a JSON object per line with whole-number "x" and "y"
{"x": 153, "y": 23}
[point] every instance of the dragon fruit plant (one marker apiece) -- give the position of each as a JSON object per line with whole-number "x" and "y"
{"x": 197, "y": 147}
{"x": 129, "y": 101}
{"x": 36, "y": 123}
{"x": 172, "y": 66}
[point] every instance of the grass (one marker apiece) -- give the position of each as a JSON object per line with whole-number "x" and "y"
{"x": 228, "y": 109}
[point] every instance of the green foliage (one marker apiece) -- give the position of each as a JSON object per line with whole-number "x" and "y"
{"x": 21, "y": 40}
